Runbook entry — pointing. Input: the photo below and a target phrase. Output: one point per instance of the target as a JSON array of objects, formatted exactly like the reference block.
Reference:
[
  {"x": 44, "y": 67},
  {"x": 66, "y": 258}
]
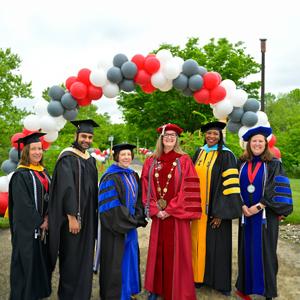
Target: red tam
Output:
[{"x": 169, "y": 126}]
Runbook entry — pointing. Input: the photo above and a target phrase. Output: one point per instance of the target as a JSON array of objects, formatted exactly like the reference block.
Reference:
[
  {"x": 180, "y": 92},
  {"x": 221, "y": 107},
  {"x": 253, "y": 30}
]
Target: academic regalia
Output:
[
  {"x": 30, "y": 275},
  {"x": 121, "y": 212},
  {"x": 169, "y": 270},
  {"x": 258, "y": 234},
  {"x": 220, "y": 194},
  {"x": 75, "y": 251}
]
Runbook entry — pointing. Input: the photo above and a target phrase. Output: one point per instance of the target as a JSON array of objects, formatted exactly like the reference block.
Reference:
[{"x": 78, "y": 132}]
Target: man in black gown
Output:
[{"x": 73, "y": 215}]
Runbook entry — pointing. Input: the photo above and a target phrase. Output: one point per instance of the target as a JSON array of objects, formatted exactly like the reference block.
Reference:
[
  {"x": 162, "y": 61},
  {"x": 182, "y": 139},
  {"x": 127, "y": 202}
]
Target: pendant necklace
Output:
[
  {"x": 252, "y": 175},
  {"x": 161, "y": 202}
]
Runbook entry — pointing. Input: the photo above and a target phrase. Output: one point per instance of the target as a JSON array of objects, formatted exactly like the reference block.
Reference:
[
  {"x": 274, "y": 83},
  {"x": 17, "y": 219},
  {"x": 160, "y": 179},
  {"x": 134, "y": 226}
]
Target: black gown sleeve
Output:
[
  {"x": 195, "y": 156},
  {"x": 278, "y": 194},
  {"x": 114, "y": 216},
  {"x": 139, "y": 207}
]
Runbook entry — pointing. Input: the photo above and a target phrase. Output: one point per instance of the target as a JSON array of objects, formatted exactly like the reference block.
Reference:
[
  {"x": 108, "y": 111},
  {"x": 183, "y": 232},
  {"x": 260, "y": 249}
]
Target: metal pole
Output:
[{"x": 263, "y": 51}]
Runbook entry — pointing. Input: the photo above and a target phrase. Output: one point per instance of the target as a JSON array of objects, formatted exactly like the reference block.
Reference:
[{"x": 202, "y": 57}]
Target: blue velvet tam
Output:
[{"x": 265, "y": 131}]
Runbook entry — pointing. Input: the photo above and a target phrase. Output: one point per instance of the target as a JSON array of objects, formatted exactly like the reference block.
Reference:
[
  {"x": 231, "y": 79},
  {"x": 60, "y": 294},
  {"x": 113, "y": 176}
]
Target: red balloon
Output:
[
  {"x": 211, "y": 80},
  {"x": 272, "y": 141},
  {"x": 217, "y": 94},
  {"x": 142, "y": 77},
  {"x": 3, "y": 202},
  {"x": 202, "y": 96},
  {"x": 139, "y": 60},
  {"x": 151, "y": 64},
  {"x": 275, "y": 151},
  {"x": 84, "y": 102},
  {"x": 45, "y": 145},
  {"x": 97, "y": 151},
  {"x": 70, "y": 81},
  {"x": 84, "y": 76},
  {"x": 14, "y": 140},
  {"x": 78, "y": 90},
  {"x": 94, "y": 93},
  {"x": 148, "y": 88}
]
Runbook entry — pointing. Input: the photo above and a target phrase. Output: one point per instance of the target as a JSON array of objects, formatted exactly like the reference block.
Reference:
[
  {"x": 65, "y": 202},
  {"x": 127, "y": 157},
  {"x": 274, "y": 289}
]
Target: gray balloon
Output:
[
  {"x": 56, "y": 92},
  {"x": 68, "y": 101},
  {"x": 195, "y": 82},
  {"x": 236, "y": 114},
  {"x": 13, "y": 155},
  {"x": 55, "y": 108},
  {"x": 181, "y": 82},
  {"x": 8, "y": 166},
  {"x": 71, "y": 114},
  {"x": 119, "y": 60},
  {"x": 190, "y": 67},
  {"x": 251, "y": 105},
  {"x": 187, "y": 92},
  {"x": 249, "y": 118},
  {"x": 234, "y": 126},
  {"x": 129, "y": 69},
  {"x": 201, "y": 70},
  {"x": 90, "y": 150},
  {"x": 114, "y": 75},
  {"x": 127, "y": 85}
]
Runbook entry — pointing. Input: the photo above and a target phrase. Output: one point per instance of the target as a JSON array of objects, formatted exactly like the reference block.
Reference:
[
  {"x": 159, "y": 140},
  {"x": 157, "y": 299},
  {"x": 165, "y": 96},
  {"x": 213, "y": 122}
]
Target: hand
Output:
[
  {"x": 74, "y": 226},
  {"x": 44, "y": 225},
  {"x": 215, "y": 222},
  {"x": 162, "y": 214},
  {"x": 165, "y": 215},
  {"x": 254, "y": 210},
  {"x": 246, "y": 211}
]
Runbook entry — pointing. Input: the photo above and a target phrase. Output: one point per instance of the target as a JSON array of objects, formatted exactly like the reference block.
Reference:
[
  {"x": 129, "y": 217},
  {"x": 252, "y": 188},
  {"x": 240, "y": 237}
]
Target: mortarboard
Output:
[
  {"x": 29, "y": 139},
  {"x": 86, "y": 126},
  {"x": 213, "y": 125},
  {"x": 265, "y": 131},
  {"x": 123, "y": 146},
  {"x": 169, "y": 126}
]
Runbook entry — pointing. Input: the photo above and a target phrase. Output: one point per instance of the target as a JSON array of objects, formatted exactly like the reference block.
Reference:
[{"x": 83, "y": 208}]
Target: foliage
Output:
[
  {"x": 295, "y": 216},
  {"x": 148, "y": 111},
  {"x": 4, "y": 223},
  {"x": 11, "y": 85}
]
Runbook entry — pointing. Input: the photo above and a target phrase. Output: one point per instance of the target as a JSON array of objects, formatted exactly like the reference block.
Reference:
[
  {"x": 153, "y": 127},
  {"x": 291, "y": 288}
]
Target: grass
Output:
[
  {"x": 294, "y": 218},
  {"x": 4, "y": 223}
]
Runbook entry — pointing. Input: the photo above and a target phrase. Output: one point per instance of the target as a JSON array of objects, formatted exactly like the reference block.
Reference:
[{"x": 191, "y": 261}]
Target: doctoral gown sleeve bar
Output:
[{"x": 278, "y": 194}]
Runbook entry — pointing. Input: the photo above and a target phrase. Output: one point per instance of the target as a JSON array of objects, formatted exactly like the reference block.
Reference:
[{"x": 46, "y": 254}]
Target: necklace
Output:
[
  {"x": 252, "y": 175},
  {"x": 161, "y": 202}
]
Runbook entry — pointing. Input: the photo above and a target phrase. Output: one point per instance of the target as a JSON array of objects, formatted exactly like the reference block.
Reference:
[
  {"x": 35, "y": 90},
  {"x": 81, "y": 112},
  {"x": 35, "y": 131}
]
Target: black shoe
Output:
[
  {"x": 198, "y": 285},
  {"x": 269, "y": 298},
  {"x": 152, "y": 296},
  {"x": 225, "y": 293}
]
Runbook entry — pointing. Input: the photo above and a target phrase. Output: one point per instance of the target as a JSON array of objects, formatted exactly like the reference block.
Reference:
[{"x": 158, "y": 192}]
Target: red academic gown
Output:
[{"x": 169, "y": 270}]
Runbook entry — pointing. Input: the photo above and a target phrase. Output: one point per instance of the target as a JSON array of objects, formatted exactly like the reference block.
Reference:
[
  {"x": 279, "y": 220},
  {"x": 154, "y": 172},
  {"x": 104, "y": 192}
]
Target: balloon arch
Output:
[{"x": 161, "y": 71}]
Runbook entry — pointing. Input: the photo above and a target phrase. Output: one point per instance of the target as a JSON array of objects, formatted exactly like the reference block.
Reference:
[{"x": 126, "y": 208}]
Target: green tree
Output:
[
  {"x": 148, "y": 111},
  {"x": 11, "y": 85}
]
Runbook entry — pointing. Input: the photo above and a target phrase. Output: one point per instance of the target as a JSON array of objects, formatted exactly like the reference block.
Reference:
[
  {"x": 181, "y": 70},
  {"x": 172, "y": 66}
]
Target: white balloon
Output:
[
  {"x": 50, "y": 137},
  {"x": 32, "y": 122},
  {"x": 40, "y": 108},
  {"x": 179, "y": 61},
  {"x": 229, "y": 86},
  {"x": 60, "y": 122},
  {"x": 238, "y": 98},
  {"x": 4, "y": 184},
  {"x": 9, "y": 176},
  {"x": 168, "y": 86},
  {"x": 171, "y": 69},
  {"x": 98, "y": 77},
  {"x": 262, "y": 118},
  {"x": 48, "y": 124},
  {"x": 110, "y": 90},
  {"x": 222, "y": 109},
  {"x": 158, "y": 79},
  {"x": 163, "y": 55},
  {"x": 242, "y": 131}
]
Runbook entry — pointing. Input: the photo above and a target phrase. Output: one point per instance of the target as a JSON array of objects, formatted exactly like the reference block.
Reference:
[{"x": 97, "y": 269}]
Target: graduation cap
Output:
[
  {"x": 123, "y": 146},
  {"x": 265, "y": 131},
  {"x": 213, "y": 125},
  {"x": 29, "y": 139},
  {"x": 86, "y": 126},
  {"x": 169, "y": 126}
]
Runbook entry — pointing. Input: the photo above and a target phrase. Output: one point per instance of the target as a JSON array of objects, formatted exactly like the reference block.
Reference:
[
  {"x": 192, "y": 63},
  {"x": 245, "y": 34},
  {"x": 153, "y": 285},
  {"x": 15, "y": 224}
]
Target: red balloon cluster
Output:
[
  {"x": 82, "y": 90},
  {"x": 144, "y": 151},
  {"x": 272, "y": 147},
  {"x": 147, "y": 66},
  {"x": 211, "y": 91},
  {"x": 3, "y": 202}
]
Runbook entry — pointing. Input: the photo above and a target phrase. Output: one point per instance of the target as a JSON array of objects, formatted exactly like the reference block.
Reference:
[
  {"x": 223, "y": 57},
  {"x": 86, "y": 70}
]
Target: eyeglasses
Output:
[{"x": 170, "y": 135}]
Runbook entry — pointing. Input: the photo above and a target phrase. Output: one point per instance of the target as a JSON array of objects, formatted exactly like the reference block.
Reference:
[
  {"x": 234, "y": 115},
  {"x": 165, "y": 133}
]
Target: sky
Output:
[{"x": 55, "y": 39}]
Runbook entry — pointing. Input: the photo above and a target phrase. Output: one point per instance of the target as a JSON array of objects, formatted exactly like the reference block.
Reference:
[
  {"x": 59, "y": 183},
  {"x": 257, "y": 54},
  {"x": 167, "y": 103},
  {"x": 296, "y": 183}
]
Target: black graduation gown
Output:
[
  {"x": 75, "y": 251},
  {"x": 278, "y": 200},
  {"x": 224, "y": 203},
  {"x": 115, "y": 223},
  {"x": 30, "y": 271}
]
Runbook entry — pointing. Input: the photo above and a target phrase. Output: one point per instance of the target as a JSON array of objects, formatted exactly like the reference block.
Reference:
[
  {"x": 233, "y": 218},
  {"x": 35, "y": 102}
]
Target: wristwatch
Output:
[{"x": 258, "y": 207}]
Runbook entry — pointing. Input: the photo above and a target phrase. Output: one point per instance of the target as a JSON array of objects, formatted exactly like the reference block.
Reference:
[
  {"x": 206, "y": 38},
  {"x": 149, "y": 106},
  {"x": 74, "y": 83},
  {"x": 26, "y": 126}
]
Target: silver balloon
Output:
[
  {"x": 13, "y": 155},
  {"x": 56, "y": 92},
  {"x": 190, "y": 67},
  {"x": 233, "y": 126},
  {"x": 201, "y": 70},
  {"x": 114, "y": 75},
  {"x": 55, "y": 108},
  {"x": 70, "y": 115},
  {"x": 8, "y": 166},
  {"x": 251, "y": 105},
  {"x": 187, "y": 92},
  {"x": 249, "y": 118},
  {"x": 68, "y": 101},
  {"x": 236, "y": 114},
  {"x": 129, "y": 70},
  {"x": 181, "y": 82},
  {"x": 195, "y": 82},
  {"x": 127, "y": 85},
  {"x": 119, "y": 60}
]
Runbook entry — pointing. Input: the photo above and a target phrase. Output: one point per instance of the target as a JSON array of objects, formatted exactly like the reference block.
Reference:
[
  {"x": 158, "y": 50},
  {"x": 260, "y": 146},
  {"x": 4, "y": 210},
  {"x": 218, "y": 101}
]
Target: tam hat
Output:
[
  {"x": 265, "y": 131},
  {"x": 169, "y": 126},
  {"x": 86, "y": 126},
  {"x": 29, "y": 139},
  {"x": 213, "y": 125},
  {"x": 123, "y": 146}
]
